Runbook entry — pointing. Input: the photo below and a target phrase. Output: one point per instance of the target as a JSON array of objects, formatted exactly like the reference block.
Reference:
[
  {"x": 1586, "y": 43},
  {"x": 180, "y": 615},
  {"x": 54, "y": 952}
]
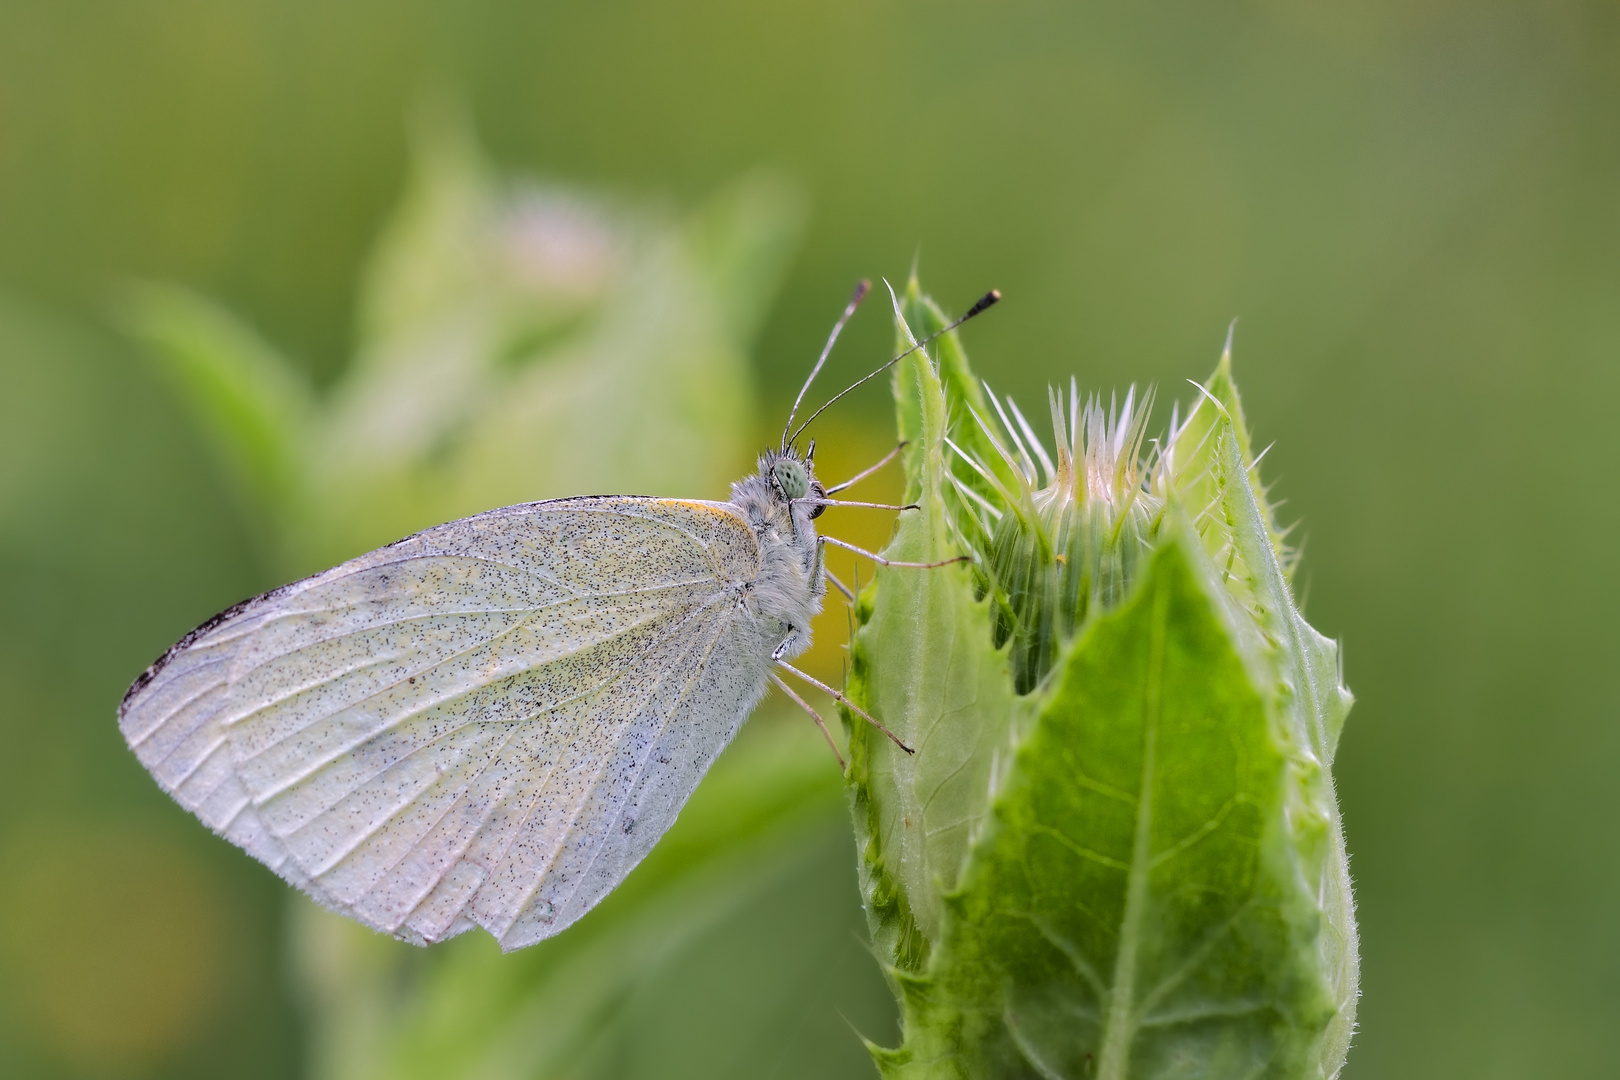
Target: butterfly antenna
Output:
[
  {"x": 984, "y": 303},
  {"x": 861, "y": 289}
]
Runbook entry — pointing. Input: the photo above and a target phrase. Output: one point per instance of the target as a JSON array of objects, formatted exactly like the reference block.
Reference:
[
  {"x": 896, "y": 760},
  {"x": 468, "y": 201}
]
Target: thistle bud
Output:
[{"x": 1117, "y": 845}]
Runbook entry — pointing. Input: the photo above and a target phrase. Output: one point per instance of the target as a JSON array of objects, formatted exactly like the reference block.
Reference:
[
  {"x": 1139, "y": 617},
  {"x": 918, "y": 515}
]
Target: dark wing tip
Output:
[{"x": 145, "y": 678}]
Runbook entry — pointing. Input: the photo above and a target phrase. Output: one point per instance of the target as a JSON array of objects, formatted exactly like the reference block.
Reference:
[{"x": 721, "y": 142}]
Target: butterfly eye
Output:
[{"x": 791, "y": 479}]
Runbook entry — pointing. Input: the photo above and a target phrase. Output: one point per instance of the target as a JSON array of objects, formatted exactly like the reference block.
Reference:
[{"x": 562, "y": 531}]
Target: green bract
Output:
[{"x": 1116, "y": 852}]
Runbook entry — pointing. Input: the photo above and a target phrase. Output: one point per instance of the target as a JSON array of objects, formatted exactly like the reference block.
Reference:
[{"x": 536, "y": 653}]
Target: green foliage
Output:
[
  {"x": 519, "y": 342},
  {"x": 1116, "y": 852},
  {"x": 516, "y": 342}
]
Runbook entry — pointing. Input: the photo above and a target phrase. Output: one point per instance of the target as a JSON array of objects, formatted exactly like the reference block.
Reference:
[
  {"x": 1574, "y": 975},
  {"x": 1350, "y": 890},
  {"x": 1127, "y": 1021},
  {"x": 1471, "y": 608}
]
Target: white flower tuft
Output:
[{"x": 1057, "y": 535}]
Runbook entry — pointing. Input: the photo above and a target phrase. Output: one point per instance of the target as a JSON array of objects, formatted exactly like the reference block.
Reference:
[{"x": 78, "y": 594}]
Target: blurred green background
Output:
[{"x": 1412, "y": 207}]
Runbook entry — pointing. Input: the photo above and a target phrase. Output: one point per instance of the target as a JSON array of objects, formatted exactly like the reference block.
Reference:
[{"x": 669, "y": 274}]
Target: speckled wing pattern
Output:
[{"x": 489, "y": 723}]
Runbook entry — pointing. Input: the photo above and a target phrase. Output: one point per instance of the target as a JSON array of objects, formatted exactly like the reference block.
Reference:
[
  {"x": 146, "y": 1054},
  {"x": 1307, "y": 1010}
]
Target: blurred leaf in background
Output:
[
  {"x": 130, "y": 944},
  {"x": 519, "y": 341}
]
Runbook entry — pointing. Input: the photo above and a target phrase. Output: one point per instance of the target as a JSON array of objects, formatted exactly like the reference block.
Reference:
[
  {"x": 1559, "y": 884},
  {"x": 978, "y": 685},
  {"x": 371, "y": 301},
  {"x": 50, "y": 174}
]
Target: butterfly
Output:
[{"x": 491, "y": 722}]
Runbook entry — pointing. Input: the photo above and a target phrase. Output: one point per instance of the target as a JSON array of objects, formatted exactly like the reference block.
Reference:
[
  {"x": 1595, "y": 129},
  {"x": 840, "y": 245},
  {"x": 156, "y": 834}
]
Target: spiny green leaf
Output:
[
  {"x": 1315, "y": 702},
  {"x": 963, "y": 393},
  {"x": 1195, "y": 475},
  {"x": 923, "y": 664},
  {"x": 1136, "y": 906}
]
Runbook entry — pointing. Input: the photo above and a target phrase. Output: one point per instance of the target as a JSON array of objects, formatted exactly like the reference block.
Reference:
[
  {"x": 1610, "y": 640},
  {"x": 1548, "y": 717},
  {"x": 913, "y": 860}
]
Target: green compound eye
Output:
[{"x": 791, "y": 478}]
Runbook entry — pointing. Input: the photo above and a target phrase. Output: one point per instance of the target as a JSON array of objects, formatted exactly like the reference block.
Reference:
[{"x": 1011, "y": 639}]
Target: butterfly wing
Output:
[{"x": 488, "y": 723}]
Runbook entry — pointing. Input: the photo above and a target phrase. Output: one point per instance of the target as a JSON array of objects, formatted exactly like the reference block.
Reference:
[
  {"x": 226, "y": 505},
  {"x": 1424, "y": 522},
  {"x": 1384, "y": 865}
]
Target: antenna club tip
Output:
[
  {"x": 985, "y": 301},
  {"x": 862, "y": 287}
]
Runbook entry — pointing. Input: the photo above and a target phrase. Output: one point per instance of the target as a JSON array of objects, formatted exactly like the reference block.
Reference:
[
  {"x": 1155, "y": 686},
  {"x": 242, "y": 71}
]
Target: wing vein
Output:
[
  {"x": 373, "y": 827},
  {"x": 652, "y": 744},
  {"x": 573, "y": 820},
  {"x": 405, "y": 621},
  {"x": 447, "y": 699}
]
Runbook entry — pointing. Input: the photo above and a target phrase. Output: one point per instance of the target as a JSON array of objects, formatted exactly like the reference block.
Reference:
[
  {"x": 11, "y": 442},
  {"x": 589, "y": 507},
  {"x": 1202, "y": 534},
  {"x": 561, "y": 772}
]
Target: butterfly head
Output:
[{"x": 793, "y": 478}]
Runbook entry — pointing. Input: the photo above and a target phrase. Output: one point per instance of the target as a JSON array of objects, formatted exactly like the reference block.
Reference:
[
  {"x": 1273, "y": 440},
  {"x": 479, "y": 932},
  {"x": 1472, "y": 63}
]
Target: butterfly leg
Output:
[
  {"x": 881, "y": 561},
  {"x": 849, "y": 594},
  {"x": 787, "y": 643},
  {"x": 841, "y": 699},
  {"x": 820, "y": 723},
  {"x": 862, "y": 475}
]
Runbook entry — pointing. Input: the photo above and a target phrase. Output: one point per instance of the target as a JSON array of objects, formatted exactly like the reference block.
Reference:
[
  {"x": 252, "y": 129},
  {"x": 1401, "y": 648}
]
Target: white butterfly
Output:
[{"x": 491, "y": 722}]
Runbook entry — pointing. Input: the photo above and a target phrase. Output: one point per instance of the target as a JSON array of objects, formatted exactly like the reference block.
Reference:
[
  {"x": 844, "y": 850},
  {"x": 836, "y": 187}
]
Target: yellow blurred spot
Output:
[
  {"x": 112, "y": 942},
  {"x": 844, "y": 447}
]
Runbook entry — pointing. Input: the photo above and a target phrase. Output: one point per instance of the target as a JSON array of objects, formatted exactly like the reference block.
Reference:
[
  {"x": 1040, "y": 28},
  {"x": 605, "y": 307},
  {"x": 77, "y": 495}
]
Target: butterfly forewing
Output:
[{"x": 488, "y": 723}]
